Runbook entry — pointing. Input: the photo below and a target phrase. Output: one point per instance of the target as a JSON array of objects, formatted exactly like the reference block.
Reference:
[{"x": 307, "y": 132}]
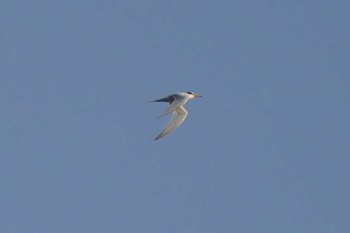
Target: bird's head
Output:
[{"x": 192, "y": 95}]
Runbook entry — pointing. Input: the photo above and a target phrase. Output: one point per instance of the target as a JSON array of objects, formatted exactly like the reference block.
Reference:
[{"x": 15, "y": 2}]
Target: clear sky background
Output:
[{"x": 265, "y": 150}]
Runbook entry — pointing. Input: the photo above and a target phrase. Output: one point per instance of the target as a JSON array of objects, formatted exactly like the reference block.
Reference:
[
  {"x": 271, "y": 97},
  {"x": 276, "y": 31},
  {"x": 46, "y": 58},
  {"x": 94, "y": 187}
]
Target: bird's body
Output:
[{"x": 176, "y": 102}]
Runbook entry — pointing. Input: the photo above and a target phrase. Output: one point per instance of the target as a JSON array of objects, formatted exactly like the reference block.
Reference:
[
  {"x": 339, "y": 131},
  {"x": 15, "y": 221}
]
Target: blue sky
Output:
[{"x": 265, "y": 150}]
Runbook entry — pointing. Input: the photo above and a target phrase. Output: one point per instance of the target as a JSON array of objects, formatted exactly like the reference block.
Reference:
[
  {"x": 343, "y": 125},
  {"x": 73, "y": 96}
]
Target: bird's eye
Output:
[{"x": 190, "y": 93}]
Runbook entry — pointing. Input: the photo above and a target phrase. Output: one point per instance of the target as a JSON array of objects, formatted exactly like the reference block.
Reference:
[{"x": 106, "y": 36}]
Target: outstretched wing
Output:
[
  {"x": 178, "y": 117},
  {"x": 177, "y": 102},
  {"x": 168, "y": 99}
]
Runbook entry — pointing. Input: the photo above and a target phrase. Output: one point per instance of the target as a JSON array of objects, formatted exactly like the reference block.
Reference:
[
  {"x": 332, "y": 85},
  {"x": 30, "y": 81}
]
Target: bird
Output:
[{"x": 176, "y": 102}]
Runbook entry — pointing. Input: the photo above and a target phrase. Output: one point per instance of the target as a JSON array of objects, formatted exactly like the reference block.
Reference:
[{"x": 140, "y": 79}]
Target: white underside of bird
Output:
[{"x": 176, "y": 102}]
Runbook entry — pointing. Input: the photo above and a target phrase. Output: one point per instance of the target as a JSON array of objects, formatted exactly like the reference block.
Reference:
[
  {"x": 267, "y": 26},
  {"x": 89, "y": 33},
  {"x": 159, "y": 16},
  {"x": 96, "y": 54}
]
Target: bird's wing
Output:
[
  {"x": 168, "y": 99},
  {"x": 175, "y": 104},
  {"x": 178, "y": 117}
]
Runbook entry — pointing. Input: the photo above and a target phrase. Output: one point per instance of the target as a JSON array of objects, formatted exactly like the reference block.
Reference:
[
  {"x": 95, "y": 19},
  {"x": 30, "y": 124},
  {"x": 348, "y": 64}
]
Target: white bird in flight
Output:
[{"x": 176, "y": 102}]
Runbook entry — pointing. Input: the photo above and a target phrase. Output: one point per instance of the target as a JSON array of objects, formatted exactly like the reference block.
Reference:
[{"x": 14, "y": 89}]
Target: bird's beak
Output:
[{"x": 196, "y": 95}]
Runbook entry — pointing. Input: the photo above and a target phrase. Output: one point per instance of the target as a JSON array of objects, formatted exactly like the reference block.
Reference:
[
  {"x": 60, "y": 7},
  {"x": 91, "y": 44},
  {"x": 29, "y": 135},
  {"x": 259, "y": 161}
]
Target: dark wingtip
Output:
[{"x": 159, "y": 137}]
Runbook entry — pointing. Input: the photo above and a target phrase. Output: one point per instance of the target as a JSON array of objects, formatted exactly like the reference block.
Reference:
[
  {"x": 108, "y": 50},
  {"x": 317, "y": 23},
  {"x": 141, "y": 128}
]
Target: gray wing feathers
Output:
[
  {"x": 178, "y": 117},
  {"x": 168, "y": 99},
  {"x": 177, "y": 102}
]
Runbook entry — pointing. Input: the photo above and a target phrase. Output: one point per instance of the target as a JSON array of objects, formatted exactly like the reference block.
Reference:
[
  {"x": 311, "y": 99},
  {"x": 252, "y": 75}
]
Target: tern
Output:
[{"x": 176, "y": 102}]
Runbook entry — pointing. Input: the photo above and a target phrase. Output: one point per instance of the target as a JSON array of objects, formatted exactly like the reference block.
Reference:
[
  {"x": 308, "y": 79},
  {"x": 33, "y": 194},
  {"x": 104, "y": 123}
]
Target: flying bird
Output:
[{"x": 176, "y": 102}]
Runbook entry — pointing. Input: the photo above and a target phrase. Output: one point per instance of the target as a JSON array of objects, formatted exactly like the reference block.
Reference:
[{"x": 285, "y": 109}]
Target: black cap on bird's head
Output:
[{"x": 194, "y": 94}]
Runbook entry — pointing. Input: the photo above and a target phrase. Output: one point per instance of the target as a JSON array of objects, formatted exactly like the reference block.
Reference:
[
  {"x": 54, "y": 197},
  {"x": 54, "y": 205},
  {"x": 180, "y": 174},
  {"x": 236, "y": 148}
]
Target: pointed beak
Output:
[{"x": 196, "y": 95}]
